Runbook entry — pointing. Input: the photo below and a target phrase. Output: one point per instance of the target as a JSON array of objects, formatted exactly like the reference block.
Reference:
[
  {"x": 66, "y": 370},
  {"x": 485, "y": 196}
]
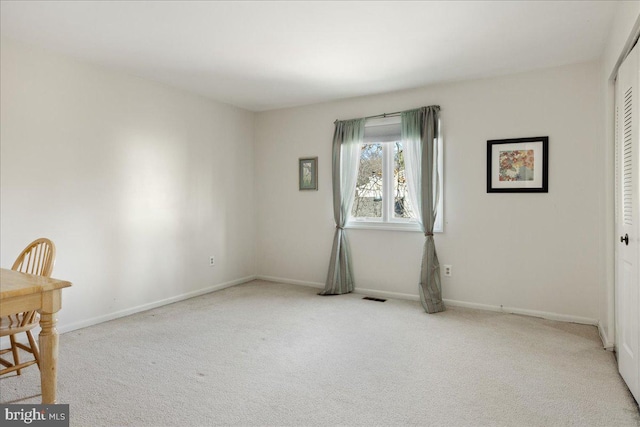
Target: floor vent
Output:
[{"x": 374, "y": 299}]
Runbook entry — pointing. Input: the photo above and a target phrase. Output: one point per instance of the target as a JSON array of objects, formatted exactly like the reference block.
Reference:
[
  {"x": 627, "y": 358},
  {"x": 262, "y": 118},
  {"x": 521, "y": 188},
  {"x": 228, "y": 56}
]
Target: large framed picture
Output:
[
  {"x": 518, "y": 165},
  {"x": 308, "y": 173}
]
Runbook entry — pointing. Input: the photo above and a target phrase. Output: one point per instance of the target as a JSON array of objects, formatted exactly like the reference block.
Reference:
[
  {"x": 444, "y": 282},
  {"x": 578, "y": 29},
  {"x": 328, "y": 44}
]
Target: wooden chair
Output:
[{"x": 38, "y": 259}]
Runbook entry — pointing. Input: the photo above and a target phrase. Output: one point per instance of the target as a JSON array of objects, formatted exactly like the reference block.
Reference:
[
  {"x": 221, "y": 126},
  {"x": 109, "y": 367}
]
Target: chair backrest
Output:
[{"x": 37, "y": 258}]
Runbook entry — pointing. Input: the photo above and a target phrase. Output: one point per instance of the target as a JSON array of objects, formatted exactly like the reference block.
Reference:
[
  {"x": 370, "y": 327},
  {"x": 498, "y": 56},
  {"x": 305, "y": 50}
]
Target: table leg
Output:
[{"x": 49, "y": 346}]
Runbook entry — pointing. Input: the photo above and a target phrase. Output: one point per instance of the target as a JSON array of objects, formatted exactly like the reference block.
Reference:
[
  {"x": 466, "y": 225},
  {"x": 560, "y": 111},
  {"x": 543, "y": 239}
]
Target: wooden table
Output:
[{"x": 23, "y": 292}]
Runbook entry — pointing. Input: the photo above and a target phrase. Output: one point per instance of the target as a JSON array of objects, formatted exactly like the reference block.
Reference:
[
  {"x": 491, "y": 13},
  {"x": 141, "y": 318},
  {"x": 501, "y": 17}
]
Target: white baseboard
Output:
[
  {"x": 372, "y": 292},
  {"x": 290, "y": 281},
  {"x": 608, "y": 344},
  {"x": 62, "y": 328},
  {"x": 454, "y": 303},
  {"x": 525, "y": 312},
  {"x": 386, "y": 294},
  {"x": 144, "y": 307}
]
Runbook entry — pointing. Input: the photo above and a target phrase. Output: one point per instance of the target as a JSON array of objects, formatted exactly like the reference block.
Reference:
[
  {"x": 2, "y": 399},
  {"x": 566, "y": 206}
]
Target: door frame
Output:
[{"x": 607, "y": 323}]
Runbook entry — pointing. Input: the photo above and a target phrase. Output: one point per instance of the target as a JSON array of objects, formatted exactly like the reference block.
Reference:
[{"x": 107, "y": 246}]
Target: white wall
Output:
[
  {"x": 624, "y": 21},
  {"x": 143, "y": 182},
  {"x": 135, "y": 182},
  {"x": 623, "y": 29},
  {"x": 537, "y": 252}
]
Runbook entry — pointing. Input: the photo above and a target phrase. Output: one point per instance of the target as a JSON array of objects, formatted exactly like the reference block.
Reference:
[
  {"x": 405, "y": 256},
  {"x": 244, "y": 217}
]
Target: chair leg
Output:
[
  {"x": 34, "y": 348},
  {"x": 14, "y": 350}
]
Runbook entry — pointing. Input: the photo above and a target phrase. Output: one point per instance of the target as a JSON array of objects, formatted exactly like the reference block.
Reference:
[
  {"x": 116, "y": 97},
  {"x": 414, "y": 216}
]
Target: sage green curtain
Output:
[
  {"x": 419, "y": 131},
  {"x": 347, "y": 139}
]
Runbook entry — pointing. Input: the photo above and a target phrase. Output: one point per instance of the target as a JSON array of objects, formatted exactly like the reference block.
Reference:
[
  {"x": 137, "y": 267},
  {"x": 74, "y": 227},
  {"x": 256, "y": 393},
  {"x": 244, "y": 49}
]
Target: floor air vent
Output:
[{"x": 374, "y": 299}]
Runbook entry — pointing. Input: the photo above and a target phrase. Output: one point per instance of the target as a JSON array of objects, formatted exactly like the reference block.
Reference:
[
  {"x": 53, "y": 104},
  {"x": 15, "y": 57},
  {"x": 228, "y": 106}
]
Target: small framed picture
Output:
[
  {"x": 308, "y": 173},
  {"x": 518, "y": 165}
]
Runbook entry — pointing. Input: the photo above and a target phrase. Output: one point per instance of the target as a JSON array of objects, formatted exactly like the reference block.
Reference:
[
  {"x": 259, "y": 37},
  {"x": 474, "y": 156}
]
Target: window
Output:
[
  {"x": 375, "y": 196},
  {"x": 381, "y": 200}
]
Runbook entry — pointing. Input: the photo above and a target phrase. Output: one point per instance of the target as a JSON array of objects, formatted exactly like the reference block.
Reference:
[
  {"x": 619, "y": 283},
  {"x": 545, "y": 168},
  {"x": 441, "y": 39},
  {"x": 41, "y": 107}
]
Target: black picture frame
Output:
[{"x": 519, "y": 165}]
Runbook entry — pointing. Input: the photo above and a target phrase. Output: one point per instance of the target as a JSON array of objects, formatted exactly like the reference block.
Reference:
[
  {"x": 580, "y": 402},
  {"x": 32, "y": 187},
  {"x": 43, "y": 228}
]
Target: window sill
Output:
[{"x": 386, "y": 226}]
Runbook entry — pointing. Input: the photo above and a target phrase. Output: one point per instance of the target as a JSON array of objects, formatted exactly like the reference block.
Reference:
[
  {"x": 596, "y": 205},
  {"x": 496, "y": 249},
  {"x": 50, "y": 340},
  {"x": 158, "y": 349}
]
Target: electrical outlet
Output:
[
  {"x": 212, "y": 261},
  {"x": 447, "y": 270}
]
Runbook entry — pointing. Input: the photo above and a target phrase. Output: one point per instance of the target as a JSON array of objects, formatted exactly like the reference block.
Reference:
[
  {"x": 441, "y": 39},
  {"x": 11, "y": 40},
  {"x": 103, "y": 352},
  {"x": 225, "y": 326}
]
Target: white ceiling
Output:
[{"x": 266, "y": 55}]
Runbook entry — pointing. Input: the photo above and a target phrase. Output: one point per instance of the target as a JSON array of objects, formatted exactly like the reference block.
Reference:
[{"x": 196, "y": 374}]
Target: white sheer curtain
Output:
[
  {"x": 413, "y": 174},
  {"x": 349, "y": 166}
]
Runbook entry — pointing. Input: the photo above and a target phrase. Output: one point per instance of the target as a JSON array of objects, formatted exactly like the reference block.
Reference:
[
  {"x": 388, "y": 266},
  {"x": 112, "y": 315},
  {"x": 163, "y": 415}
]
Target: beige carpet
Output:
[{"x": 272, "y": 354}]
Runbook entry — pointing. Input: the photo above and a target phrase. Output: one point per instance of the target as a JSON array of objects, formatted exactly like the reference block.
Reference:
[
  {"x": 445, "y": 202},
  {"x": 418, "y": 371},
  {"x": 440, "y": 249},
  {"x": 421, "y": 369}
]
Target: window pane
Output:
[
  {"x": 368, "y": 198},
  {"x": 401, "y": 205}
]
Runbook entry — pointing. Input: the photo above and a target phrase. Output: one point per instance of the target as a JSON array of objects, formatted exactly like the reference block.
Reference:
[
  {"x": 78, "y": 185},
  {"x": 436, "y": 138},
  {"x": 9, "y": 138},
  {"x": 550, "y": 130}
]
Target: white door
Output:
[{"x": 627, "y": 263}]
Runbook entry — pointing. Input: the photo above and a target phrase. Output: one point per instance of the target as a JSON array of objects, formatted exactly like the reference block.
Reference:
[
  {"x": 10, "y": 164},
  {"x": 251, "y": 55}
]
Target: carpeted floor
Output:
[{"x": 272, "y": 354}]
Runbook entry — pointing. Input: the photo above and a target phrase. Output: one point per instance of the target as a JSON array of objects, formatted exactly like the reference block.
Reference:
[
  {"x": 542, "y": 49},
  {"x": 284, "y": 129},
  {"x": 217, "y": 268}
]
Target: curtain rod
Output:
[{"x": 384, "y": 115}]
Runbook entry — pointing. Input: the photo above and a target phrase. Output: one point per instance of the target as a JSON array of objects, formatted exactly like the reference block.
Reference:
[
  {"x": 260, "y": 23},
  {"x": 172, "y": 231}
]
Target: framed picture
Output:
[
  {"x": 308, "y": 173},
  {"x": 518, "y": 165}
]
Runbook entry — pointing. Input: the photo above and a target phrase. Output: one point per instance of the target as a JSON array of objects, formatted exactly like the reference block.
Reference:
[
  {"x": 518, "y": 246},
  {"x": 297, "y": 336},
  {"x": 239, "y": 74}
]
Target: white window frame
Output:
[{"x": 388, "y": 220}]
